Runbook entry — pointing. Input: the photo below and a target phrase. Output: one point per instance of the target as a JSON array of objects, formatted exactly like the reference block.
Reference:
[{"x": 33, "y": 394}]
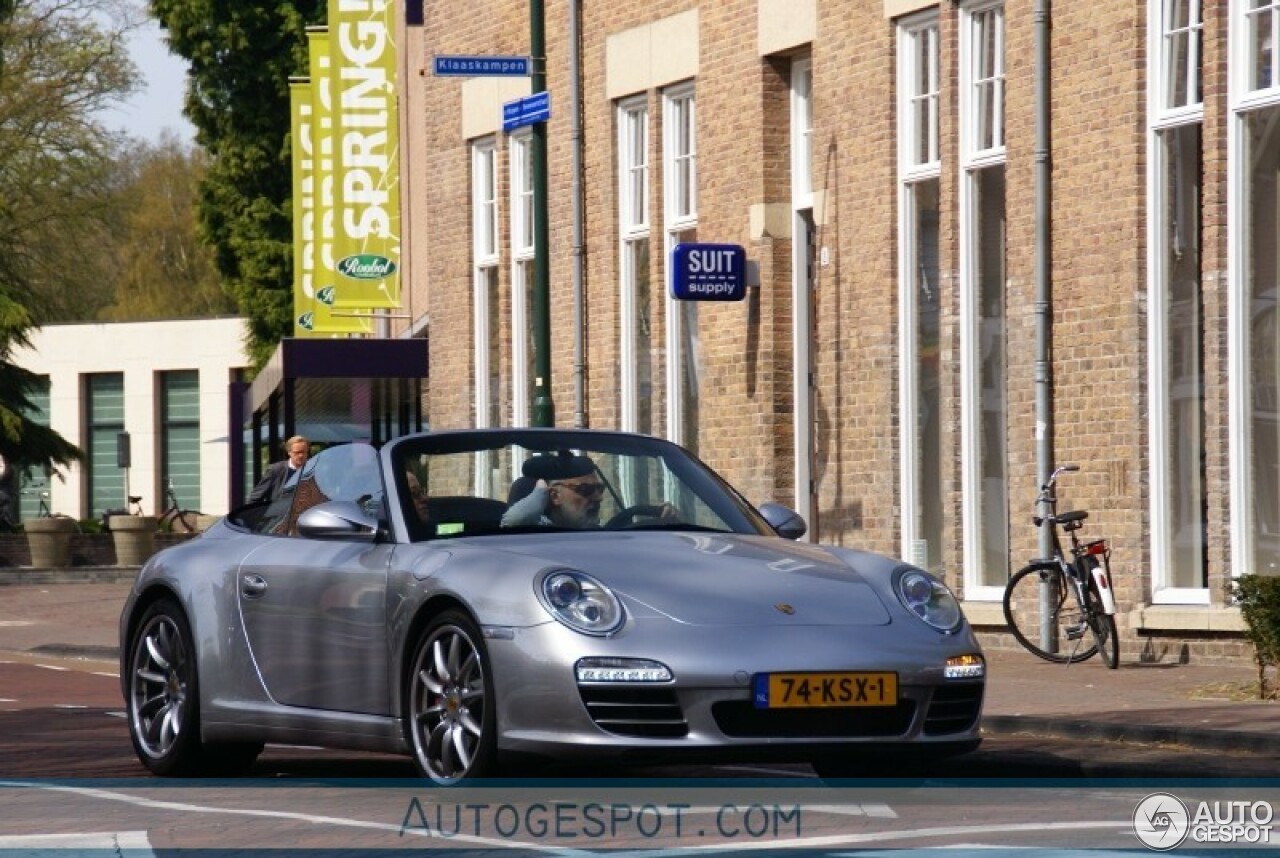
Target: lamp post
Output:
[{"x": 544, "y": 412}]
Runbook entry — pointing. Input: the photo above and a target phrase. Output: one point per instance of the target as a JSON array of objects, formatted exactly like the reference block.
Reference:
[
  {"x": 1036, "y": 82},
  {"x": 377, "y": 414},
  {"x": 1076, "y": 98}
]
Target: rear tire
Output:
[
  {"x": 1103, "y": 628},
  {"x": 164, "y": 692},
  {"x": 164, "y": 702},
  {"x": 1022, "y": 613}
]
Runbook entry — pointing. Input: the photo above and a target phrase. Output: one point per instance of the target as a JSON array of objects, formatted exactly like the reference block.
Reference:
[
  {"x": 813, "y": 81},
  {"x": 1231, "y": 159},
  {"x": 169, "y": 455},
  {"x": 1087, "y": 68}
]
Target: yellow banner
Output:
[
  {"x": 319, "y": 316},
  {"x": 304, "y": 204},
  {"x": 367, "y": 159}
]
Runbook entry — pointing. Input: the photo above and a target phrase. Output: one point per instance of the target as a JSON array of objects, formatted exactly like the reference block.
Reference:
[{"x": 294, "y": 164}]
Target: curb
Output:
[
  {"x": 68, "y": 575},
  {"x": 1151, "y": 734},
  {"x": 94, "y": 652}
]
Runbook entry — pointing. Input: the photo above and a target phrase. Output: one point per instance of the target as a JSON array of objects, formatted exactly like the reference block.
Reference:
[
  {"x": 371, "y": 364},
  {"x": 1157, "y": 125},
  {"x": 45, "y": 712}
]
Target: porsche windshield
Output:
[{"x": 531, "y": 480}]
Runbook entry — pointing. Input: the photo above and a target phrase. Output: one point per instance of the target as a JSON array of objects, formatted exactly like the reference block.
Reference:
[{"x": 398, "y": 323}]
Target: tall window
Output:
[
  {"x": 523, "y": 368},
  {"x": 104, "y": 395},
  {"x": 1254, "y": 167},
  {"x": 180, "y": 436},
  {"x": 32, "y": 483},
  {"x": 633, "y": 227},
  {"x": 919, "y": 318},
  {"x": 484, "y": 242},
  {"x": 1179, "y": 497},
  {"x": 984, "y": 324},
  {"x": 804, "y": 241},
  {"x": 680, "y": 203}
]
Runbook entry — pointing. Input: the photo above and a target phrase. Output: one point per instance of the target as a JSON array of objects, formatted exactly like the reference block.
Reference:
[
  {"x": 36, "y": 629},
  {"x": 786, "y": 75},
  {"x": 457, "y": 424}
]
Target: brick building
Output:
[{"x": 879, "y": 160}]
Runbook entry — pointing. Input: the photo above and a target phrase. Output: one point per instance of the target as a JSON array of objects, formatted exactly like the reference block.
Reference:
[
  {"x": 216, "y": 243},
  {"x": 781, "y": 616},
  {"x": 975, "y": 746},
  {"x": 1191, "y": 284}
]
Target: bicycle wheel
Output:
[
  {"x": 1022, "y": 611},
  {"x": 179, "y": 521}
]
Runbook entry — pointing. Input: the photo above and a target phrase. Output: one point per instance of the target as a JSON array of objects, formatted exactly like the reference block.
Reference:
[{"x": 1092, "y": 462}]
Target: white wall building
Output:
[{"x": 165, "y": 383}]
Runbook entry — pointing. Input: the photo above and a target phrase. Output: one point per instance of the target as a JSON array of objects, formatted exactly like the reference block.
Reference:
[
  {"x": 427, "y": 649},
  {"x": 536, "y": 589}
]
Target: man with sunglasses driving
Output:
[{"x": 566, "y": 493}]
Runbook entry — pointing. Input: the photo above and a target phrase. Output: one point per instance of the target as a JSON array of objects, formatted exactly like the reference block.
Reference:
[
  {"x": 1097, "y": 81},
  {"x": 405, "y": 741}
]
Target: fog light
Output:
[
  {"x": 622, "y": 670},
  {"x": 965, "y": 667}
]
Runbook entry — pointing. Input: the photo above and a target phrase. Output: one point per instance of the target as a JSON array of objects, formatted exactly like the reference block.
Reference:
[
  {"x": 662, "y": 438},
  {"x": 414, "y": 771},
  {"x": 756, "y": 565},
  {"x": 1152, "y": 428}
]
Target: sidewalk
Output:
[{"x": 1198, "y": 706}]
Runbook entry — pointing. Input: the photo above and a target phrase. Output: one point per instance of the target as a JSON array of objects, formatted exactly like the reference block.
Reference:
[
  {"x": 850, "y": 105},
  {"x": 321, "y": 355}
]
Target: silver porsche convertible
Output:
[{"x": 478, "y": 599}]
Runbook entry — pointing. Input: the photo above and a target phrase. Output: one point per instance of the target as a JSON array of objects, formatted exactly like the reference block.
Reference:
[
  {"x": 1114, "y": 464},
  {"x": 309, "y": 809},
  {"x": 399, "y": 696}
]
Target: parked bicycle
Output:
[
  {"x": 134, "y": 508},
  {"x": 43, "y": 510},
  {"x": 176, "y": 519},
  {"x": 1052, "y": 604}
]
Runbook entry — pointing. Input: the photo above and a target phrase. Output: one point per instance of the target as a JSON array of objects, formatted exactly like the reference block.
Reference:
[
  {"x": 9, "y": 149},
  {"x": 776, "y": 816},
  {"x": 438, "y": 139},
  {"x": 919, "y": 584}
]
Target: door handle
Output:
[{"x": 253, "y": 586}]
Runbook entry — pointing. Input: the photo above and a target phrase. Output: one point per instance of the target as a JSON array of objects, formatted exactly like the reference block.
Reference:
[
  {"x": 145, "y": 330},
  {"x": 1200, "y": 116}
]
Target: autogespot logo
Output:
[{"x": 1161, "y": 821}]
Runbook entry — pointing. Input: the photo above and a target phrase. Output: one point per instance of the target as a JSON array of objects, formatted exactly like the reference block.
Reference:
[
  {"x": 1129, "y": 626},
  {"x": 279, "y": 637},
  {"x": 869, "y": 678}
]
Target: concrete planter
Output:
[
  {"x": 134, "y": 537},
  {"x": 50, "y": 541}
]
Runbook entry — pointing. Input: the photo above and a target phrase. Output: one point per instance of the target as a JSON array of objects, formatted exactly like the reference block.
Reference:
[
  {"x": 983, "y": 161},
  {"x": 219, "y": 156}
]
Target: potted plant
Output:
[
  {"x": 134, "y": 537},
  {"x": 49, "y": 538}
]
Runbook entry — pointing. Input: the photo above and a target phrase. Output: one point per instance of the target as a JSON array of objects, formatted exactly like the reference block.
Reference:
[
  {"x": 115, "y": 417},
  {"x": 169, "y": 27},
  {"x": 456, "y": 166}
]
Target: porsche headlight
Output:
[
  {"x": 580, "y": 602},
  {"x": 929, "y": 599}
]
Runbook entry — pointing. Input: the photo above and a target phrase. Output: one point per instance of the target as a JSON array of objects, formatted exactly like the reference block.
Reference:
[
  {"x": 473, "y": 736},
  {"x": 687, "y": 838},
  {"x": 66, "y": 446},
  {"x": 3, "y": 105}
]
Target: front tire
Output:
[
  {"x": 1022, "y": 613},
  {"x": 451, "y": 716}
]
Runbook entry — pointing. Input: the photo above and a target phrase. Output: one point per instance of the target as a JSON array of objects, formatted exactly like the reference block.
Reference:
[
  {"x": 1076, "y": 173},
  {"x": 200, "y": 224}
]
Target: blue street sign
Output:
[
  {"x": 526, "y": 111},
  {"x": 709, "y": 272},
  {"x": 468, "y": 66}
]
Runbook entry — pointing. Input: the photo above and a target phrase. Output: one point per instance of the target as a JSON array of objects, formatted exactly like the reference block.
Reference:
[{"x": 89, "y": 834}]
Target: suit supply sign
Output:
[{"x": 709, "y": 272}]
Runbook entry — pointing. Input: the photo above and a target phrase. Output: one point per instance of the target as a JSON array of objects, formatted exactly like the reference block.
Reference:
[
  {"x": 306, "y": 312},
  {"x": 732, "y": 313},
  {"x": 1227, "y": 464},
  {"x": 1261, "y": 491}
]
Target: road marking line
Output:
[
  {"x": 69, "y": 706},
  {"x": 131, "y": 842},
  {"x": 53, "y": 667},
  {"x": 104, "y": 673}
]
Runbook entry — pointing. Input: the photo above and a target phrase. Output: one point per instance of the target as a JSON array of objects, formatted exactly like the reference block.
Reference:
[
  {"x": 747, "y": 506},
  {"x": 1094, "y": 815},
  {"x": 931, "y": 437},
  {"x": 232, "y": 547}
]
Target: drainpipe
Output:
[
  {"x": 579, "y": 242},
  {"x": 1044, "y": 290}
]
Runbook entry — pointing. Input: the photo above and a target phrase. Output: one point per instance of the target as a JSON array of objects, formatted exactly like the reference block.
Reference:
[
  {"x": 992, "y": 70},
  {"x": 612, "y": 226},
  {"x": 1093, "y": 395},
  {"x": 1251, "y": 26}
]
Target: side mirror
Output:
[
  {"x": 786, "y": 522},
  {"x": 338, "y": 520}
]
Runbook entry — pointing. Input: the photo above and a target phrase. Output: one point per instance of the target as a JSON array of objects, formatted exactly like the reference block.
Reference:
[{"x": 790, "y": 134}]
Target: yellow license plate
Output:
[{"x": 800, "y": 690}]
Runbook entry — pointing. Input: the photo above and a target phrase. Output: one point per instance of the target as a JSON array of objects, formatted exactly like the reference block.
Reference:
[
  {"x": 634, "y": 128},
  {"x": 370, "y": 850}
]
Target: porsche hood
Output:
[{"x": 718, "y": 579}]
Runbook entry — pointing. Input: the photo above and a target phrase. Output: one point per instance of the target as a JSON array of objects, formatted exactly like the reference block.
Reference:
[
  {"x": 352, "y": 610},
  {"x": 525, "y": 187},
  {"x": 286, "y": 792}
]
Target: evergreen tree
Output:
[{"x": 23, "y": 442}]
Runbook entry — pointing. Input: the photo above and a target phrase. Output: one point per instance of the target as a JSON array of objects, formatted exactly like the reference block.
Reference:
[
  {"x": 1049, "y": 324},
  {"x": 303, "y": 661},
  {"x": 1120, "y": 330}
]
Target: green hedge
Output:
[{"x": 1259, "y": 599}]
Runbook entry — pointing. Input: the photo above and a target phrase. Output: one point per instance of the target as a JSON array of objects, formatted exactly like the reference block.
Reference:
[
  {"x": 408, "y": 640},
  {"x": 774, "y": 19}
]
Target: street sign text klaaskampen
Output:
[{"x": 460, "y": 65}]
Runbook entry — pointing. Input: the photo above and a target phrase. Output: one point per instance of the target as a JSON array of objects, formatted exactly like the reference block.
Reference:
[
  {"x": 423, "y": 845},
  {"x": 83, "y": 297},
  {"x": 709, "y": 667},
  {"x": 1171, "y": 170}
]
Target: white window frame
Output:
[
  {"x": 802, "y": 203},
  {"x": 485, "y": 256},
  {"x": 633, "y": 226},
  {"x": 1162, "y": 118},
  {"x": 912, "y": 170},
  {"x": 1241, "y": 99},
  {"x": 679, "y": 124},
  {"x": 974, "y": 157},
  {"x": 519, "y": 147}
]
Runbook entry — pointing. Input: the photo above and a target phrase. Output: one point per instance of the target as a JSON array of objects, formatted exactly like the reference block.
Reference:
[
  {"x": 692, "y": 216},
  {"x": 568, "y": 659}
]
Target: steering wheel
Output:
[{"x": 627, "y": 517}]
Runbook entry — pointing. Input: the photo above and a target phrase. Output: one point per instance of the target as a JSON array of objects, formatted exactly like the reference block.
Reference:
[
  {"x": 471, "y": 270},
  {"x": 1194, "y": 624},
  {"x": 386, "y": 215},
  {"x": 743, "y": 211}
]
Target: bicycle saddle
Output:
[{"x": 1072, "y": 520}]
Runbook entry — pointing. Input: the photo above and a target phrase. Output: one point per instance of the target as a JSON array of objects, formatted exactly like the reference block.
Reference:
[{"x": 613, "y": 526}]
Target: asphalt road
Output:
[{"x": 69, "y": 778}]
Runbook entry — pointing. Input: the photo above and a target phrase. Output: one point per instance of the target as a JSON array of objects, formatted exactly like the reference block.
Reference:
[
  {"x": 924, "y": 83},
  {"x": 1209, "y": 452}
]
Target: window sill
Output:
[
  {"x": 983, "y": 613},
  {"x": 1170, "y": 618},
  {"x": 1186, "y": 618}
]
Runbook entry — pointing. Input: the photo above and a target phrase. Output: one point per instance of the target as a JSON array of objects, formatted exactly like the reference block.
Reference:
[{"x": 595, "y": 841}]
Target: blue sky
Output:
[{"x": 158, "y": 103}]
